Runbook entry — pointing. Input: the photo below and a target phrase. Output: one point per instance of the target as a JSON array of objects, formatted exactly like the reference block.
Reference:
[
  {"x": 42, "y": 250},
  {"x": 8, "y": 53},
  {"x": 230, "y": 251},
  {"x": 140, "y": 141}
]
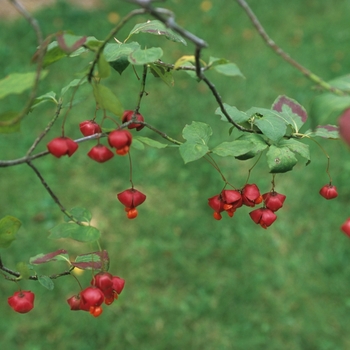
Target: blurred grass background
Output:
[{"x": 191, "y": 282}]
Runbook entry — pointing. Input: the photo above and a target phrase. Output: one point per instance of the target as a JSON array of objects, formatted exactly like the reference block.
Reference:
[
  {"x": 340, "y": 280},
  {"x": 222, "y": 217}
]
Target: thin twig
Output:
[{"x": 278, "y": 50}]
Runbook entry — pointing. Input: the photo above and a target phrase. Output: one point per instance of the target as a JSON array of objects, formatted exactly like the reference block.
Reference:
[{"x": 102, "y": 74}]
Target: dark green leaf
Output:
[
  {"x": 120, "y": 64},
  {"x": 280, "y": 159},
  {"x": 9, "y": 227}
]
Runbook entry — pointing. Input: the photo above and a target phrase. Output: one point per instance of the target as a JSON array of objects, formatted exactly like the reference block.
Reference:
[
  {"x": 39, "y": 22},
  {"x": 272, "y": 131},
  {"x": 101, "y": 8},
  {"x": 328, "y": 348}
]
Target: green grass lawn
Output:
[{"x": 191, "y": 282}]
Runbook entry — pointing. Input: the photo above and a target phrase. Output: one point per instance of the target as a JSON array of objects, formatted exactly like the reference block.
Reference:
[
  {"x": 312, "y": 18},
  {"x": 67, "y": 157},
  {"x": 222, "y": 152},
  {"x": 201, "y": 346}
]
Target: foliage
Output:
[{"x": 276, "y": 133}]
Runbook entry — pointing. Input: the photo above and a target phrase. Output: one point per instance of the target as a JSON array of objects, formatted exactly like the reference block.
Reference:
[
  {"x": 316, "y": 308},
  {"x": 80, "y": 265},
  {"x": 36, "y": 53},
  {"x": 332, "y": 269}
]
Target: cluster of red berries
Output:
[
  {"x": 119, "y": 139},
  {"x": 249, "y": 195},
  {"x": 105, "y": 288}
]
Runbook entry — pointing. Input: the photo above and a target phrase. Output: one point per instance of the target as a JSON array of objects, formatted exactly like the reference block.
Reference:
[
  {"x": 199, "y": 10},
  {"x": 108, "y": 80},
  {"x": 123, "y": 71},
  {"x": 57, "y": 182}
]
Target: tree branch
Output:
[{"x": 310, "y": 75}]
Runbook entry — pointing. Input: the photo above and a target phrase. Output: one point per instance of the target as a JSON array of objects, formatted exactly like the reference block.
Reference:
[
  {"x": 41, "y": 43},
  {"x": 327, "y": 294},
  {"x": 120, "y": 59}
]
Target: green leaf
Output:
[
  {"x": 46, "y": 282},
  {"x": 325, "y": 131},
  {"x": 80, "y": 214},
  {"x": 73, "y": 83},
  {"x": 106, "y": 99},
  {"x": 150, "y": 142},
  {"x": 280, "y": 159},
  {"x": 162, "y": 73},
  {"x": 137, "y": 144},
  {"x": 233, "y": 148},
  {"x": 197, "y": 132},
  {"x": 9, "y": 227},
  {"x": 142, "y": 57},
  {"x": 156, "y": 27},
  {"x": 76, "y": 232},
  {"x": 104, "y": 69},
  {"x": 229, "y": 69},
  {"x": 197, "y": 135},
  {"x": 7, "y": 117},
  {"x": 236, "y": 115},
  {"x": 16, "y": 83},
  {"x": 270, "y": 122},
  {"x": 191, "y": 151},
  {"x": 258, "y": 142},
  {"x": 60, "y": 254},
  {"x": 48, "y": 97},
  {"x": 297, "y": 147}
]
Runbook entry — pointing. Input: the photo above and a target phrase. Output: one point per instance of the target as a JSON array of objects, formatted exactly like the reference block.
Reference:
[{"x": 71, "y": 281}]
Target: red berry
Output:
[
  {"x": 263, "y": 216},
  {"x": 346, "y": 227},
  {"x": 328, "y": 191},
  {"x": 251, "y": 195},
  {"x": 22, "y": 301},
  {"x": 131, "y": 198},
  {"x": 100, "y": 153},
  {"x": 216, "y": 203},
  {"x": 344, "y": 126},
  {"x": 118, "y": 284},
  {"x": 273, "y": 200},
  {"x": 61, "y": 146},
  {"x": 232, "y": 197},
  {"x": 91, "y": 296},
  {"x": 121, "y": 140},
  {"x": 89, "y": 127},
  {"x": 74, "y": 302},
  {"x": 127, "y": 116},
  {"x": 103, "y": 281}
]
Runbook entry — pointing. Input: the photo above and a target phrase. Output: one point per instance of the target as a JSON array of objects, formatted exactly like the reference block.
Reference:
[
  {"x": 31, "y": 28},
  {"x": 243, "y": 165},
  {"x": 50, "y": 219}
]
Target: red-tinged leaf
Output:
[
  {"x": 294, "y": 105},
  {"x": 95, "y": 260},
  {"x": 88, "y": 265},
  {"x": 64, "y": 41},
  {"x": 44, "y": 258},
  {"x": 325, "y": 131}
]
